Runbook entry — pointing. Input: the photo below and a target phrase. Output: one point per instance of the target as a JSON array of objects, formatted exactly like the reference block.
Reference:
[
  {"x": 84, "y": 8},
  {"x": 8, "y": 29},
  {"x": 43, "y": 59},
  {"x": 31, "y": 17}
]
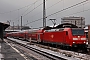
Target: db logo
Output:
[{"x": 52, "y": 36}]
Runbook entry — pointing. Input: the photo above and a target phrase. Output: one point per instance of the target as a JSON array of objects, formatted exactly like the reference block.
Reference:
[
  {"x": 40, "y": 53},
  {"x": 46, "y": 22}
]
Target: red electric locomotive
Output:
[{"x": 73, "y": 37}]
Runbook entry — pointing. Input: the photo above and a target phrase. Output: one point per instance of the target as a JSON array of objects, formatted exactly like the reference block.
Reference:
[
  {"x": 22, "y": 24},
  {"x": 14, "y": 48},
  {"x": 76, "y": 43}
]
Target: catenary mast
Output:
[{"x": 44, "y": 14}]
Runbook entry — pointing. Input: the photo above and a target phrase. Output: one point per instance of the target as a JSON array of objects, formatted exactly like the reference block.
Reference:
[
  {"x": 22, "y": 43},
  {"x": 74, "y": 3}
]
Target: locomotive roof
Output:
[
  {"x": 69, "y": 25},
  {"x": 66, "y": 25}
]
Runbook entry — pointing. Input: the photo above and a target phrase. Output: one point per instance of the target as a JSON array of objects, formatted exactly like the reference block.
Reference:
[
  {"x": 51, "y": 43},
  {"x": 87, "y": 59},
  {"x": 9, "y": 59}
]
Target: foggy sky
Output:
[{"x": 11, "y": 10}]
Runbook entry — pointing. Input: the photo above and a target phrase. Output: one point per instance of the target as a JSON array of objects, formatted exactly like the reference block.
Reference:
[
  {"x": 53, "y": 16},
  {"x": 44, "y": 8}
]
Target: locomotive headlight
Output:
[
  {"x": 73, "y": 42},
  {"x": 84, "y": 42},
  {"x": 75, "y": 38},
  {"x": 83, "y": 38}
]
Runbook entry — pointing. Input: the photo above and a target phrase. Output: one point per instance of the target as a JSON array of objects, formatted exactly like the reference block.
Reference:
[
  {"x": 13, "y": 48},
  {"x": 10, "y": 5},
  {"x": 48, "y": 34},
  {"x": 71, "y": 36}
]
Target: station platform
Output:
[{"x": 8, "y": 53}]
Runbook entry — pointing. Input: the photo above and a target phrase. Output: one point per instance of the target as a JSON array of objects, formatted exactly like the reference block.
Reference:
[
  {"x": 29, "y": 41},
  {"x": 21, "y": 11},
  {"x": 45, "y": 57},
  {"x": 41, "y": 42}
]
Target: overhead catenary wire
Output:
[
  {"x": 19, "y": 8},
  {"x": 67, "y": 8},
  {"x": 55, "y": 4},
  {"x": 80, "y": 11},
  {"x": 30, "y": 7},
  {"x": 33, "y": 9},
  {"x": 59, "y": 11},
  {"x": 33, "y": 21},
  {"x": 17, "y": 18},
  {"x": 84, "y": 10},
  {"x": 23, "y": 15},
  {"x": 48, "y": 7},
  {"x": 77, "y": 12},
  {"x": 50, "y": 14}
]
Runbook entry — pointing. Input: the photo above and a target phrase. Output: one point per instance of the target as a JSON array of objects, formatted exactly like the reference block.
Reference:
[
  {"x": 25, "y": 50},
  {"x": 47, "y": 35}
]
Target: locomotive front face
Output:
[{"x": 78, "y": 37}]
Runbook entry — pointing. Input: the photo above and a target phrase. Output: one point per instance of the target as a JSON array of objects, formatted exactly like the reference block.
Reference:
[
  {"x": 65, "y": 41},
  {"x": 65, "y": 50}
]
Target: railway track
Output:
[
  {"x": 48, "y": 55},
  {"x": 67, "y": 54}
]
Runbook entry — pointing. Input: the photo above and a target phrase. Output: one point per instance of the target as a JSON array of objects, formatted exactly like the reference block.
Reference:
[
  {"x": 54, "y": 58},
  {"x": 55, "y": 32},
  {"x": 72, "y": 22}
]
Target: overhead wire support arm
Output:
[{"x": 53, "y": 21}]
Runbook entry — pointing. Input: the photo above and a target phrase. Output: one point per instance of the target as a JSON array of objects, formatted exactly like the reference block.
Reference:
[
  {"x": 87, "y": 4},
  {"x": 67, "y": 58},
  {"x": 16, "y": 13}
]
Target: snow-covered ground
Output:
[
  {"x": 1, "y": 56},
  {"x": 60, "y": 53}
]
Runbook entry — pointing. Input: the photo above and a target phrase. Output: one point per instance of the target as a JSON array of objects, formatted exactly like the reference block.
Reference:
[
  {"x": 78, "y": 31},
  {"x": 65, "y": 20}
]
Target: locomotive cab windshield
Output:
[{"x": 77, "y": 31}]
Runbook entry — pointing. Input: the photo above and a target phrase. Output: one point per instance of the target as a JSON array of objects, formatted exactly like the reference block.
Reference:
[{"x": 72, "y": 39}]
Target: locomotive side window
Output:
[
  {"x": 66, "y": 33},
  {"x": 77, "y": 32}
]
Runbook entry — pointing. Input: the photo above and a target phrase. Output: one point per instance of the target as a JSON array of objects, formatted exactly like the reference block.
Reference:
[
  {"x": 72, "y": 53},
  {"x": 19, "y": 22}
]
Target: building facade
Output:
[{"x": 78, "y": 21}]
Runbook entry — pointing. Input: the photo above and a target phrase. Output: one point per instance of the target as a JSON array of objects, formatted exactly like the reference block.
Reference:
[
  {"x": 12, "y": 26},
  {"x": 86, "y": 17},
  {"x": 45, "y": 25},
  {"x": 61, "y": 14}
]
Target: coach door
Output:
[{"x": 38, "y": 38}]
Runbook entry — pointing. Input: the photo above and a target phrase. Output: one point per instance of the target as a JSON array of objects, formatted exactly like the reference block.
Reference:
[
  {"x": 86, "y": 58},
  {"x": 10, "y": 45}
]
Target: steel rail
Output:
[{"x": 48, "y": 55}]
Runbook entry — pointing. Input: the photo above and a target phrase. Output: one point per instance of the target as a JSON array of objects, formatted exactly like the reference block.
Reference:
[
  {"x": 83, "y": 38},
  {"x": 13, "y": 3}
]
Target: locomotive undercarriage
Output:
[
  {"x": 82, "y": 47},
  {"x": 74, "y": 47}
]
